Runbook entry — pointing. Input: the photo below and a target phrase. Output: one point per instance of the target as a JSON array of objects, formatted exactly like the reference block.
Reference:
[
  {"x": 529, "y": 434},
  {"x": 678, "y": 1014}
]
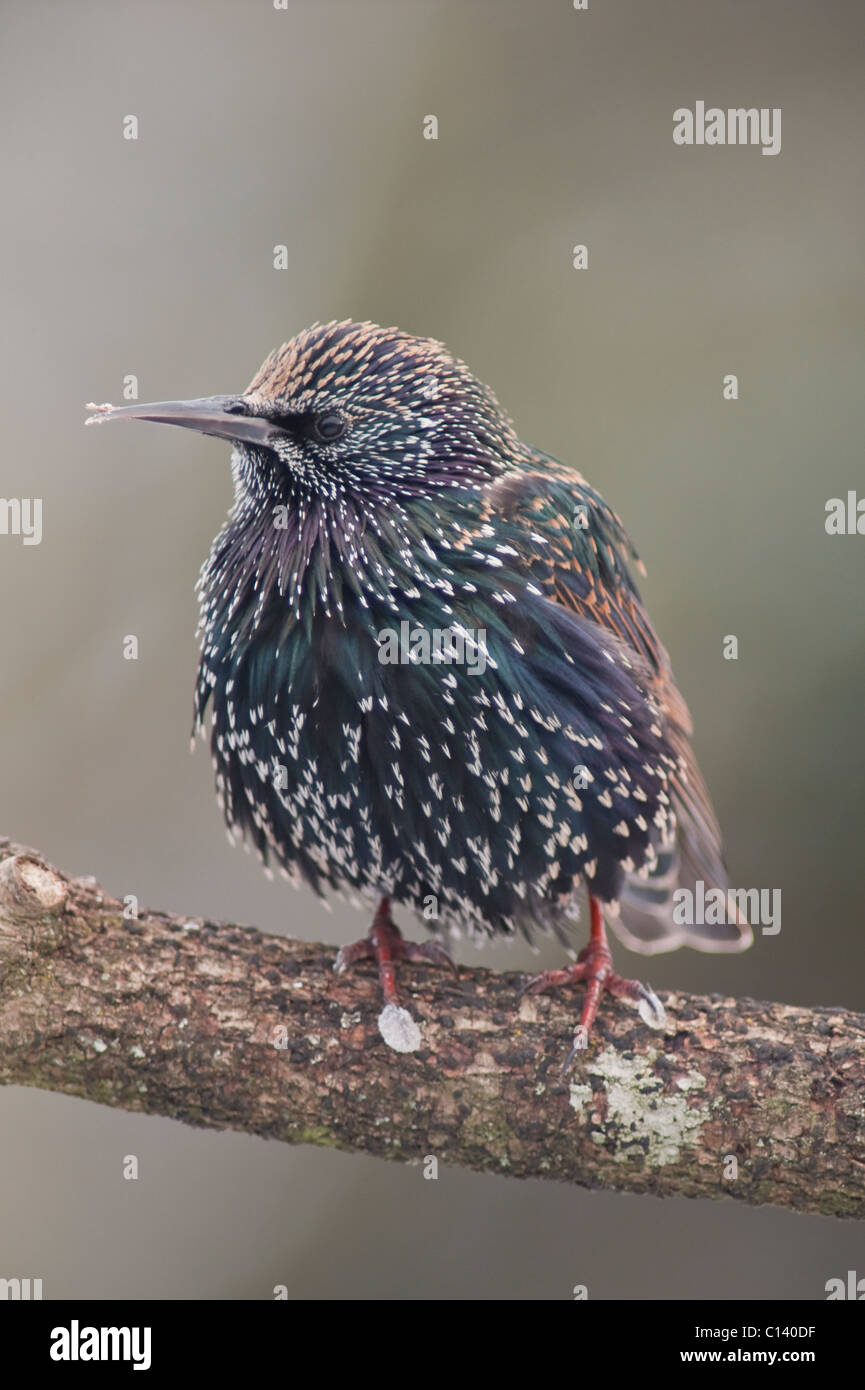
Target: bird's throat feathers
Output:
[{"x": 309, "y": 556}]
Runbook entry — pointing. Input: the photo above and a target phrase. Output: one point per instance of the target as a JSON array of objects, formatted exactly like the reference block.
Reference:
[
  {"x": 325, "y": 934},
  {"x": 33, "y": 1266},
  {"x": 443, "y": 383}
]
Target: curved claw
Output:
[
  {"x": 430, "y": 951},
  {"x": 385, "y": 945},
  {"x": 548, "y": 979},
  {"x": 348, "y": 956},
  {"x": 650, "y": 1008},
  {"x": 594, "y": 968},
  {"x": 578, "y": 1045}
]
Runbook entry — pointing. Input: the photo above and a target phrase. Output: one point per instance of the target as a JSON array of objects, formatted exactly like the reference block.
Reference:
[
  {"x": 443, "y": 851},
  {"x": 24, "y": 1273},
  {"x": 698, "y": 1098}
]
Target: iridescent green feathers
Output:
[{"x": 490, "y": 788}]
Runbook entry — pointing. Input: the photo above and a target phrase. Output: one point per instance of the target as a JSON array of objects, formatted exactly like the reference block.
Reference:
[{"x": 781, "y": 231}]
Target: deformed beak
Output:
[{"x": 223, "y": 416}]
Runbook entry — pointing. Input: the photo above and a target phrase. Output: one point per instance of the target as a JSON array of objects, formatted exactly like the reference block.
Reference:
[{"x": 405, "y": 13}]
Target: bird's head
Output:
[{"x": 352, "y": 410}]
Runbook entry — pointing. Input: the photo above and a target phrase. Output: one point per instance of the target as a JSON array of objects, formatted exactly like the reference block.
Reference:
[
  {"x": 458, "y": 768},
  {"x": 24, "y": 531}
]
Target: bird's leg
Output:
[
  {"x": 385, "y": 944},
  {"x": 594, "y": 967}
]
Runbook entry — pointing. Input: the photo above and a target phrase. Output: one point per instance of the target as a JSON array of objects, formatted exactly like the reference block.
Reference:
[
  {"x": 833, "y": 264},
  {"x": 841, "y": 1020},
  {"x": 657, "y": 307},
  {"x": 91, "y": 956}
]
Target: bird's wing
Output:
[
  {"x": 576, "y": 549},
  {"x": 577, "y": 552}
]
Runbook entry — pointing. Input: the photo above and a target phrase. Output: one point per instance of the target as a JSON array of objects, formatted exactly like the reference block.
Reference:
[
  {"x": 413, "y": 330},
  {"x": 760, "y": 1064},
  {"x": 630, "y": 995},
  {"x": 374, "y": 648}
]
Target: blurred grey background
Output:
[{"x": 154, "y": 257}]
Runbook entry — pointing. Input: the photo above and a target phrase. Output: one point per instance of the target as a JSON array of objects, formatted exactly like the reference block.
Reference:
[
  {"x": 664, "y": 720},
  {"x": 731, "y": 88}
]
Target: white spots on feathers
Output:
[{"x": 469, "y": 797}]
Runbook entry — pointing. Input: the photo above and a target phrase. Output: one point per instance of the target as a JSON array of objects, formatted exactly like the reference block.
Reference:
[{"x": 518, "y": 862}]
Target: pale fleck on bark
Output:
[{"x": 180, "y": 1017}]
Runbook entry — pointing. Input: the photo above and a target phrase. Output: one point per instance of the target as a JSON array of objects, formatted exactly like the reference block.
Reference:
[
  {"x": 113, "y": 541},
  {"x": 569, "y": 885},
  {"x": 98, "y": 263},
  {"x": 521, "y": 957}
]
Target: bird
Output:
[{"x": 430, "y": 677}]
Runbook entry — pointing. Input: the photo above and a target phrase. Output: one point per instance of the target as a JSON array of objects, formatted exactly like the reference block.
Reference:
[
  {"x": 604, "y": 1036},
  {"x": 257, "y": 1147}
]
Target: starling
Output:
[{"x": 431, "y": 678}]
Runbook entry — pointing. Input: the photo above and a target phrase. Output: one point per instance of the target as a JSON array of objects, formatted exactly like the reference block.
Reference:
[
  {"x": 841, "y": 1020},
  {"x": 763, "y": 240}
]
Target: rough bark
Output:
[{"x": 224, "y": 1027}]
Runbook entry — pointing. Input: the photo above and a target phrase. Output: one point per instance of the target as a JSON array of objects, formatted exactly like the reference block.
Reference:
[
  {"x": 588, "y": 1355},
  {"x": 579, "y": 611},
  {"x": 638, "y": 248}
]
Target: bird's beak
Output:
[{"x": 218, "y": 415}]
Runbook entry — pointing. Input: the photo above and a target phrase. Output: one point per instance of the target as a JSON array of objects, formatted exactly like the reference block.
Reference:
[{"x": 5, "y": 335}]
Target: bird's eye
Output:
[
  {"x": 322, "y": 427},
  {"x": 327, "y": 427},
  {"x": 236, "y": 408}
]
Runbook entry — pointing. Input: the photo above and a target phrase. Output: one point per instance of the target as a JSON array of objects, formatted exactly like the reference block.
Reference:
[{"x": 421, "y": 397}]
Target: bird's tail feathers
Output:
[{"x": 668, "y": 907}]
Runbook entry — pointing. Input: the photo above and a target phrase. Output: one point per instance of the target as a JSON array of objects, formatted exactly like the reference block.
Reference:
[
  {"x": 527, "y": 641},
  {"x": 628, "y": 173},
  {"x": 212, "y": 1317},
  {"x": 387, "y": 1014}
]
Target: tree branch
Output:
[{"x": 223, "y": 1027}]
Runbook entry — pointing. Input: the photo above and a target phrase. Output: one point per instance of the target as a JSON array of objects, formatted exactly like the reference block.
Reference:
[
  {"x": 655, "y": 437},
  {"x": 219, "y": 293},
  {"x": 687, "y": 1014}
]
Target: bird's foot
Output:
[
  {"x": 386, "y": 945},
  {"x": 594, "y": 968}
]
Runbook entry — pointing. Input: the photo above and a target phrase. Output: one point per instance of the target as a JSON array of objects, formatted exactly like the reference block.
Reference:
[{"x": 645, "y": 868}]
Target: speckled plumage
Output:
[
  {"x": 425, "y": 782},
  {"x": 531, "y": 741}
]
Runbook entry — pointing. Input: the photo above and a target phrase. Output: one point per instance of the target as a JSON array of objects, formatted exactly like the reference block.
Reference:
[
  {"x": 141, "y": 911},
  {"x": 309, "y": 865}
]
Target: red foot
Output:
[
  {"x": 385, "y": 945},
  {"x": 594, "y": 966}
]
